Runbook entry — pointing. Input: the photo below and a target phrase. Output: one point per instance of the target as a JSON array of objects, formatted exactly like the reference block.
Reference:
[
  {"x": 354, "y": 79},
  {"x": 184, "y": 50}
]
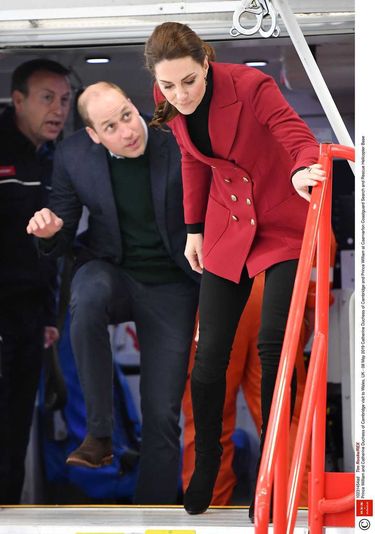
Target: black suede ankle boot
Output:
[
  {"x": 208, "y": 402},
  {"x": 199, "y": 493}
]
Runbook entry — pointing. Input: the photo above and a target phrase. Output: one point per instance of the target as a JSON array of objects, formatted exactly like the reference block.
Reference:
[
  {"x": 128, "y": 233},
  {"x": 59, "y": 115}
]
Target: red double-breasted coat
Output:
[{"x": 252, "y": 214}]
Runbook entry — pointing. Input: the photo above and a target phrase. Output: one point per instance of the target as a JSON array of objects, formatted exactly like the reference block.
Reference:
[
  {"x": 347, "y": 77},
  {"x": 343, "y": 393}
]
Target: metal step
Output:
[{"x": 134, "y": 520}]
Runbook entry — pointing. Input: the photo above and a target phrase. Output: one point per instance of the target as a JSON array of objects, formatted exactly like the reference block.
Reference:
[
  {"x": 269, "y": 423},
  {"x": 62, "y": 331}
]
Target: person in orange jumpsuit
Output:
[{"x": 245, "y": 371}]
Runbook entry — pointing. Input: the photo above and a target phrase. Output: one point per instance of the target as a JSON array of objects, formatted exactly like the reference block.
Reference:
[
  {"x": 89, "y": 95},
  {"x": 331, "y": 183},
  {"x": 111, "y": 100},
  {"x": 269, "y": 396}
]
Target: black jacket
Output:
[{"x": 25, "y": 176}]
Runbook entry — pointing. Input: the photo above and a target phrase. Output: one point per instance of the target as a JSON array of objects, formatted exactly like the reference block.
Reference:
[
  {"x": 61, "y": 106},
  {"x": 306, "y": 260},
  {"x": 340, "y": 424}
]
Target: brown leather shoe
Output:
[{"x": 93, "y": 452}]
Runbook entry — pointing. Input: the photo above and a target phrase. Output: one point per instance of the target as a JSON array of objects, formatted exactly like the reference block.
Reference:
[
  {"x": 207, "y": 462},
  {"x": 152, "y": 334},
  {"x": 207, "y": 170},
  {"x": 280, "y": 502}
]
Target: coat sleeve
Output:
[
  {"x": 196, "y": 176},
  {"x": 66, "y": 204},
  {"x": 273, "y": 111}
]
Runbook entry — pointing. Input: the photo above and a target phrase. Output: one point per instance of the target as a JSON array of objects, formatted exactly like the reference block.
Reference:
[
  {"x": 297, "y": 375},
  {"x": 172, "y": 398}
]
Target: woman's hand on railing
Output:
[{"x": 306, "y": 178}]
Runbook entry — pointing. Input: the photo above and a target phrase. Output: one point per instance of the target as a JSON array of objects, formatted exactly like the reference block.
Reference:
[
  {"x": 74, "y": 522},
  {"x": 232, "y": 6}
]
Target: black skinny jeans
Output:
[{"x": 220, "y": 307}]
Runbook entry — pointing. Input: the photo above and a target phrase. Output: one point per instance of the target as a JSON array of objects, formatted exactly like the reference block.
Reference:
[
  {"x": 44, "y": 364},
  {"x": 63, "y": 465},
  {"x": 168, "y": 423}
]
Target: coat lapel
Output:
[
  {"x": 224, "y": 113},
  {"x": 101, "y": 179}
]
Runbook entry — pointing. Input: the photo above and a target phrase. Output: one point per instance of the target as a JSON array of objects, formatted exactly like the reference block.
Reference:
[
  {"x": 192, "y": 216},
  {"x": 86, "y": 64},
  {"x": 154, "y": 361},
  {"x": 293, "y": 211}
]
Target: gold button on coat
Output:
[
  {"x": 227, "y": 180},
  {"x": 248, "y": 201},
  {"x": 234, "y": 217},
  {"x": 252, "y": 222},
  {"x": 245, "y": 179},
  {"x": 234, "y": 198}
]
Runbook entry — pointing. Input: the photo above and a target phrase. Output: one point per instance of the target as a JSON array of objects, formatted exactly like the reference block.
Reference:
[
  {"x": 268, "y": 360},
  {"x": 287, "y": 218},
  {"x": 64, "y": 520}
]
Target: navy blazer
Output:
[{"x": 81, "y": 177}]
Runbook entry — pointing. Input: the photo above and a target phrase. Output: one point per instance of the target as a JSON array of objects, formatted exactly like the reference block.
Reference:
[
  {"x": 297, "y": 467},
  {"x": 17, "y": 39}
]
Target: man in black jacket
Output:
[
  {"x": 41, "y": 97},
  {"x": 131, "y": 266}
]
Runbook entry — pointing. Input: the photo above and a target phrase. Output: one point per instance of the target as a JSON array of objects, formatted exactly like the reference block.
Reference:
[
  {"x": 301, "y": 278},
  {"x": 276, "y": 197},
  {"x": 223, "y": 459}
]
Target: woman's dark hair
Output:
[
  {"x": 172, "y": 40},
  {"x": 23, "y": 72}
]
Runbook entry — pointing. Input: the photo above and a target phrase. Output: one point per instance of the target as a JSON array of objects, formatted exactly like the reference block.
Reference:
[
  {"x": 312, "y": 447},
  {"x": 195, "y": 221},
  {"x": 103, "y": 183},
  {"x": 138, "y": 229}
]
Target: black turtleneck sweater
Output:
[{"x": 197, "y": 122}]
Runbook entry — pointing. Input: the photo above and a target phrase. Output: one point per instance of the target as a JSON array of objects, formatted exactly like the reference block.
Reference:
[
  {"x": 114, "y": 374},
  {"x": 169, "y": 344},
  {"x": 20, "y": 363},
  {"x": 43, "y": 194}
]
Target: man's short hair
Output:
[
  {"x": 23, "y": 72},
  {"x": 82, "y": 101}
]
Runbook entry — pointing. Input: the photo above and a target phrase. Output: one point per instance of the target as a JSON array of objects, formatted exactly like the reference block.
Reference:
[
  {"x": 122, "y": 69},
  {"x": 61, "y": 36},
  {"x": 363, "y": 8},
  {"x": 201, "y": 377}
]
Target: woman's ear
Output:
[{"x": 206, "y": 65}]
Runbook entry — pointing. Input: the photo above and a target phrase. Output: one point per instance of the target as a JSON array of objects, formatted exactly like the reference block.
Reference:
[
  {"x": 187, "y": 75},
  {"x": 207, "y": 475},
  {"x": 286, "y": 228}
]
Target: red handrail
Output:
[{"x": 274, "y": 462}]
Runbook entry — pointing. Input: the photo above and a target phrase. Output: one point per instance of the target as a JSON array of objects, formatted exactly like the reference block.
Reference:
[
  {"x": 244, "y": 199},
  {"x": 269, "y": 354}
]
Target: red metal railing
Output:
[{"x": 312, "y": 423}]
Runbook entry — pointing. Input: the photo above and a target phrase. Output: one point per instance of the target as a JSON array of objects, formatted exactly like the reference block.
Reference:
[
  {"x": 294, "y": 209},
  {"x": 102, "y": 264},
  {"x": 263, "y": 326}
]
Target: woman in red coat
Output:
[{"x": 248, "y": 161}]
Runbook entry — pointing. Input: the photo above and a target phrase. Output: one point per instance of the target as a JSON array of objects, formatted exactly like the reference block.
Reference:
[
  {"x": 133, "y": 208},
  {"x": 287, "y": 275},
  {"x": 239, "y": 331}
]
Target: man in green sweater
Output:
[{"x": 130, "y": 266}]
